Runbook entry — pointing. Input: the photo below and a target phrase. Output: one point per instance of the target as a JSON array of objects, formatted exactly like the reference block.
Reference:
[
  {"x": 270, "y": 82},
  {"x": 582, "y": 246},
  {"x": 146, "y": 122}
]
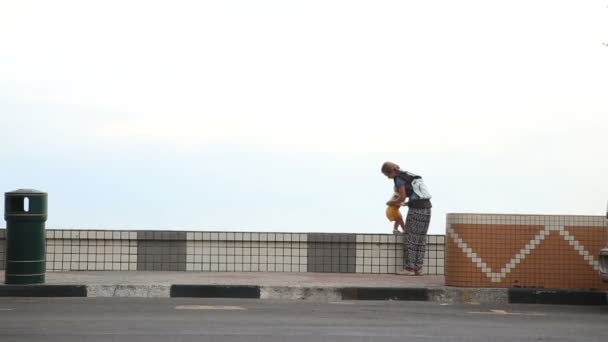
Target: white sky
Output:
[{"x": 502, "y": 106}]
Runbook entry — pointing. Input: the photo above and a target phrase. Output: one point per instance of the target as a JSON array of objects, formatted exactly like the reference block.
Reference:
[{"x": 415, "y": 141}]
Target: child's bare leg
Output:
[
  {"x": 396, "y": 226},
  {"x": 399, "y": 222}
]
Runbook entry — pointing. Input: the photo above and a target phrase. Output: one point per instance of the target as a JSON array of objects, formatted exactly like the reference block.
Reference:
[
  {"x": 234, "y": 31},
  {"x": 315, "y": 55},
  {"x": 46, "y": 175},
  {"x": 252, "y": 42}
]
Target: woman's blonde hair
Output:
[{"x": 389, "y": 166}]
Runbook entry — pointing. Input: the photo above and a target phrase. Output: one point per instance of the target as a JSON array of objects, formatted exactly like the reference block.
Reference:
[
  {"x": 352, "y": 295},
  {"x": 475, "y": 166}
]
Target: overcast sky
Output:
[{"x": 277, "y": 115}]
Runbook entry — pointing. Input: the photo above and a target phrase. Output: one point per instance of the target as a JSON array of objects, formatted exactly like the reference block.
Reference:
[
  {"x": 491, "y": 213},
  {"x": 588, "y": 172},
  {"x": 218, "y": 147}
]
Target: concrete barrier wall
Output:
[
  {"x": 524, "y": 251},
  {"x": 104, "y": 250}
]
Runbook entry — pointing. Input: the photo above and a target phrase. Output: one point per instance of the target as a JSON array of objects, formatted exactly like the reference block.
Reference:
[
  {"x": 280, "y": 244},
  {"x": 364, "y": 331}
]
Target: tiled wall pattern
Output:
[
  {"x": 377, "y": 253},
  {"x": 335, "y": 253},
  {"x": 87, "y": 250},
  {"x": 161, "y": 251},
  {"x": 246, "y": 252},
  {"x": 304, "y": 252},
  {"x": 527, "y": 251}
]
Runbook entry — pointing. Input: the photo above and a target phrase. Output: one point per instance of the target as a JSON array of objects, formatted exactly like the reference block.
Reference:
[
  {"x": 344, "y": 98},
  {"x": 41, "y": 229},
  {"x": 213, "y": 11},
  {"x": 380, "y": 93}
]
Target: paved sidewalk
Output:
[{"x": 307, "y": 279}]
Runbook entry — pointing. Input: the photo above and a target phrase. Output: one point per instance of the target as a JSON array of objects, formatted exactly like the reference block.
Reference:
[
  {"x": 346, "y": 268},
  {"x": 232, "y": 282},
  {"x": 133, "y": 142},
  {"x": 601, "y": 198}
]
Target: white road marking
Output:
[
  {"x": 208, "y": 307},
  {"x": 342, "y": 303},
  {"x": 503, "y": 312},
  {"x": 6, "y": 309}
]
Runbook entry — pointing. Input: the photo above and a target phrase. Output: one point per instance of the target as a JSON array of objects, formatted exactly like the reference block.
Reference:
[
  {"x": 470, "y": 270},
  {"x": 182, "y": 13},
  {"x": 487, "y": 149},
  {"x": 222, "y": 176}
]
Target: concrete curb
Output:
[
  {"x": 215, "y": 291},
  {"x": 43, "y": 291},
  {"x": 469, "y": 295},
  {"x": 318, "y": 294},
  {"x": 562, "y": 297},
  {"x": 385, "y": 293},
  {"x": 142, "y": 291}
]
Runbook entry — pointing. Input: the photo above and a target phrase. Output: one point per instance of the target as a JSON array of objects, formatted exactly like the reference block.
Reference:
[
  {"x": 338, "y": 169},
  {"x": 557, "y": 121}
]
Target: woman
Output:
[{"x": 418, "y": 215}]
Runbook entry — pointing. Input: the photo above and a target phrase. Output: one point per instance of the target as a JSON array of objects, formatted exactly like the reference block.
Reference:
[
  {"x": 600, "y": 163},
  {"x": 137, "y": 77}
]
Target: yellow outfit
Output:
[{"x": 392, "y": 213}]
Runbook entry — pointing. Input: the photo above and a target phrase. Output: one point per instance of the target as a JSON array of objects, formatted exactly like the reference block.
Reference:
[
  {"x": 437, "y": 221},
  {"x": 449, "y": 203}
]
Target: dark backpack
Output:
[{"x": 417, "y": 190}]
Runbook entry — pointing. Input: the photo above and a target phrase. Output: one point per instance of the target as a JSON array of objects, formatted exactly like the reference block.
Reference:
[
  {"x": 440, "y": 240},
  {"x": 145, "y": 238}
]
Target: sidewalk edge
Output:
[
  {"x": 43, "y": 291},
  {"x": 558, "y": 296},
  {"x": 318, "y": 293}
]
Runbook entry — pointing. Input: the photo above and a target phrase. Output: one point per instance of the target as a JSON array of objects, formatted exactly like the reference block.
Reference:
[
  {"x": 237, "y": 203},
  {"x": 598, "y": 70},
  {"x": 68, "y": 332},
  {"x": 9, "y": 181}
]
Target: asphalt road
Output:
[{"x": 182, "y": 319}]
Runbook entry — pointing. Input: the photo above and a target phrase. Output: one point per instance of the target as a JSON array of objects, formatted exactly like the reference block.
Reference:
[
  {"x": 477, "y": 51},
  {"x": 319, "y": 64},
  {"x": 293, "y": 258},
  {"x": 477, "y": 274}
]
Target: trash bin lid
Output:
[
  {"x": 25, "y": 203},
  {"x": 26, "y": 192}
]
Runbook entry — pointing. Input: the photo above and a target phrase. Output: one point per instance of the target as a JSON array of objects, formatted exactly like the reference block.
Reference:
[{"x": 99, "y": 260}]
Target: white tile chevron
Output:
[{"x": 497, "y": 277}]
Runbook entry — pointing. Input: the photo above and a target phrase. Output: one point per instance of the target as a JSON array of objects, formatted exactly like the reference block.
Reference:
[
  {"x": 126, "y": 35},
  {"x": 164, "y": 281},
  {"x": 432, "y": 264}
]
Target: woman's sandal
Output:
[
  {"x": 406, "y": 272},
  {"x": 410, "y": 272}
]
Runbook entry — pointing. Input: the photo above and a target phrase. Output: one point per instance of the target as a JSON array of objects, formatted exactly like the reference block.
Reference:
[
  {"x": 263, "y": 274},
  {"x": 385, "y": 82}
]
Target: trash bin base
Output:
[{"x": 24, "y": 279}]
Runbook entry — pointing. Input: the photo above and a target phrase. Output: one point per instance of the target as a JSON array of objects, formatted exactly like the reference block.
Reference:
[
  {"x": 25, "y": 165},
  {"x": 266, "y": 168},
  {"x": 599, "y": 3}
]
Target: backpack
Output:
[{"x": 416, "y": 186}]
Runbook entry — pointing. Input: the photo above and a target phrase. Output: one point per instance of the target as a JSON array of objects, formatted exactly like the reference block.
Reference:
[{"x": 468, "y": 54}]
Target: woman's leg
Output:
[{"x": 414, "y": 245}]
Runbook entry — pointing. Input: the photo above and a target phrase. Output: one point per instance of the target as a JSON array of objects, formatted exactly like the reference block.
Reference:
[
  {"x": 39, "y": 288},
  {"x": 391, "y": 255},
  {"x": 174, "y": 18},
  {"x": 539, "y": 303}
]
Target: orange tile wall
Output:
[{"x": 524, "y": 251}]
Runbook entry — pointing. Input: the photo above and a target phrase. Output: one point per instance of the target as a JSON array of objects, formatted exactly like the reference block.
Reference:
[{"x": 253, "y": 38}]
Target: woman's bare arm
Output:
[{"x": 399, "y": 200}]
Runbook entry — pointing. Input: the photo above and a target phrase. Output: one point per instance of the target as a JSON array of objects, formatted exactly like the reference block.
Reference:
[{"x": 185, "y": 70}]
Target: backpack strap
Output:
[{"x": 407, "y": 176}]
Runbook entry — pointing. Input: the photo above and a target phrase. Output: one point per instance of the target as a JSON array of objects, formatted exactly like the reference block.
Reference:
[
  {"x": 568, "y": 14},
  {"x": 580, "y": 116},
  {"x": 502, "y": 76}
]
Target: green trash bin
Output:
[{"x": 25, "y": 212}]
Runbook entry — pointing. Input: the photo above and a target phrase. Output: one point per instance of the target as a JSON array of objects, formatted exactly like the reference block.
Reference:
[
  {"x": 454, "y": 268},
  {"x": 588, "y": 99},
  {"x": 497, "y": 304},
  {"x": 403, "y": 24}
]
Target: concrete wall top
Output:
[{"x": 517, "y": 219}]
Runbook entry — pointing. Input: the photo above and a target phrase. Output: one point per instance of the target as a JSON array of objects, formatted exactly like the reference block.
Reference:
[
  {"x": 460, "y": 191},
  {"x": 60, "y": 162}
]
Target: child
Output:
[{"x": 393, "y": 215}]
